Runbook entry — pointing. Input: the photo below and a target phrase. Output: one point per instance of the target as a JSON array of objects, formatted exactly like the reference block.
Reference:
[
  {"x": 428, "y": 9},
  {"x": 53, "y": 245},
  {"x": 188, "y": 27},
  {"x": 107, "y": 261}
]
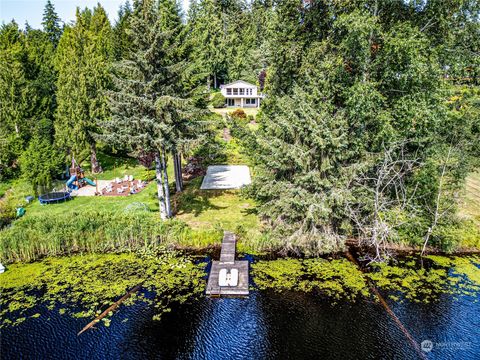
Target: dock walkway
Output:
[{"x": 227, "y": 261}]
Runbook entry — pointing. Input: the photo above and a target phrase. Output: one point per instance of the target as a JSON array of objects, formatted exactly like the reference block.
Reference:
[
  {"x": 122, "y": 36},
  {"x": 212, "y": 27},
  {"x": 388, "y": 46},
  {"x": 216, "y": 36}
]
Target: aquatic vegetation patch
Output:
[
  {"x": 335, "y": 278},
  {"x": 84, "y": 286},
  {"x": 404, "y": 279},
  {"x": 441, "y": 275}
]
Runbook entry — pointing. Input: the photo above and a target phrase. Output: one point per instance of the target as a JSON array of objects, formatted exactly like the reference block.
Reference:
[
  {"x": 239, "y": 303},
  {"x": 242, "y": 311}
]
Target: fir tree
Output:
[
  {"x": 148, "y": 115},
  {"x": 83, "y": 62},
  {"x": 51, "y": 23},
  {"x": 208, "y": 36},
  {"x": 122, "y": 43}
]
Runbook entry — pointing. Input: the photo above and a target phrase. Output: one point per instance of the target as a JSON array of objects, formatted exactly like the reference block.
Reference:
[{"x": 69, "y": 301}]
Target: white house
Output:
[{"x": 241, "y": 94}]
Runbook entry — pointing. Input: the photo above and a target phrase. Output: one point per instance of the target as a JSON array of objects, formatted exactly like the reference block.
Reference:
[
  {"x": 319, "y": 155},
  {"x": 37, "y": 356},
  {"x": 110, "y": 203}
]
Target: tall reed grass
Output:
[{"x": 40, "y": 235}]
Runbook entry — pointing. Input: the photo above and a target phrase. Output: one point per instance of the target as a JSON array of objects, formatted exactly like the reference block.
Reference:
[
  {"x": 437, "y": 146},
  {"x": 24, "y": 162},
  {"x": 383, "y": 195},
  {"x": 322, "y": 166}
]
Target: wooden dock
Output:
[{"x": 227, "y": 261}]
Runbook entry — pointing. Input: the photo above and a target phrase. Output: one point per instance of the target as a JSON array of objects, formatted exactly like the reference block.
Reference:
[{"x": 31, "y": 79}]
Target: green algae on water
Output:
[
  {"x": 440, "y": 275},
  {"x": 337, "y": 279},
  {"x": 85, "y": 285},
  {"x": 404, "y": 279}
]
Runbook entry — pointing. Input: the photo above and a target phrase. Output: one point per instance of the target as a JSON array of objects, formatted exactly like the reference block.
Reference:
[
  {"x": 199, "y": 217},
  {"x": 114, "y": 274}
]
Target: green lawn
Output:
[
  {"x": 224, "y": 111},
  {"x": 114, "y": 167},
  {"x": 471, "y": 202},
  {"x": 205, "y": 212},
  {"x": 225, "y": 209}
]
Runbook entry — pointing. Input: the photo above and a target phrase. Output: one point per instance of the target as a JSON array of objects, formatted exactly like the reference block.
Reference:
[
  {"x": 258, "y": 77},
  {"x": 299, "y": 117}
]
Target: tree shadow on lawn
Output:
[{"x": 196, "y": 202}]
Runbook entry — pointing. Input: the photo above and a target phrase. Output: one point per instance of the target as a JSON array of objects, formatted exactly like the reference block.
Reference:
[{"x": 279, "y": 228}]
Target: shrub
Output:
[
  {"x": 218, "y": 100},
  {"x": 239, "y": 114}
]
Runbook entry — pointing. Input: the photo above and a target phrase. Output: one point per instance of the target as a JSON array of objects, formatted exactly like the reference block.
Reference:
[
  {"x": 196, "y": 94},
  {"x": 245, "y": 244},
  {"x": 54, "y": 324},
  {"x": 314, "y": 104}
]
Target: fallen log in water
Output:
[
  {"x": 111, "y": 308},
  {"x": 390, "y": 312}
]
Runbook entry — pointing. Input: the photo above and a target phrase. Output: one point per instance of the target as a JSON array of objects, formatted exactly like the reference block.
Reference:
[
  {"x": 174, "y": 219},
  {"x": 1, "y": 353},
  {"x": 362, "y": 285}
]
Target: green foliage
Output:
[
  {"x": 51, "y": 23},
  {"x": 82, "y": 286},
  {"x": 301, "y": 146},
  {"x": 122, "y": 42},
  {"x": 218, "y": 100},
  {"x": 83, "y": 62},
  {"x": 27, "y": 93},
  {"x": 349, "y": 87},
  {"x": 452, "y": 236},
  {"x": 93, "y": 231},
  {"x": 40, "y": 163}
]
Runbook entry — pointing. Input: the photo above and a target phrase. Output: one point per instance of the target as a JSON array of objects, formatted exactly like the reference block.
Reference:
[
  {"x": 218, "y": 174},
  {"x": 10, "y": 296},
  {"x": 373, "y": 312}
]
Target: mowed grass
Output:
[
  {"x": 224, "y": 209},
  {"x": 224, "y": 111},
  {"x": 470, "y": 206},
  {"x": 147, "y": 196},
  {"x": 199, "y": 209},
  {"x": 114, "y": 167}
]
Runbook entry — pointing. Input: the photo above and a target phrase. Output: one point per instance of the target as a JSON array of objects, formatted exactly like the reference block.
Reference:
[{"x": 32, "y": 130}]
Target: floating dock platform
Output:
[{"x": 228, "y": 262}]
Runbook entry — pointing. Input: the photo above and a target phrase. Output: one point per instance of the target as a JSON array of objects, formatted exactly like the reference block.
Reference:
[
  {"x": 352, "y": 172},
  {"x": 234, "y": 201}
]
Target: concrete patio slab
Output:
[{"x": 220, "y": 177}]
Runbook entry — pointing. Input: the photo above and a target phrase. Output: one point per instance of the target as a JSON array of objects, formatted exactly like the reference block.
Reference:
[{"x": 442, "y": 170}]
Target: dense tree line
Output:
[
  {"x": 357, "y": 137},
  {"x": 362, "y": 133}
]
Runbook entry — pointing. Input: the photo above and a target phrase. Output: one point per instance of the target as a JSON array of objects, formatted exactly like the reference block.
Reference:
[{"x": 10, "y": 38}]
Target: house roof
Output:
[{"x": 238, "y": 82}]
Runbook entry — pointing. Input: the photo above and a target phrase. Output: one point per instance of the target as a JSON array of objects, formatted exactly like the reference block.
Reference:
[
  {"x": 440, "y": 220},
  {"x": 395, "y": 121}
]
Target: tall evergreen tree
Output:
[
  {"x": 379, "y": 76},
  {"x": 27, "y": 92},
  {"x": 208, "y": 36},
  {"x": 148, "y": 112},
  {"x": 122, "y": 43},
  {"x": 51, "y": 23},
  {"x": 83, "y": 62}
]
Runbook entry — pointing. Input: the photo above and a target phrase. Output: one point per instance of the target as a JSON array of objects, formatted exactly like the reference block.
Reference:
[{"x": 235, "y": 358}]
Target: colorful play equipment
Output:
[
  {"x": 54, "y": 197},
  {"x": 20, "y": 212},
  {"x": 77, "y": 177}
]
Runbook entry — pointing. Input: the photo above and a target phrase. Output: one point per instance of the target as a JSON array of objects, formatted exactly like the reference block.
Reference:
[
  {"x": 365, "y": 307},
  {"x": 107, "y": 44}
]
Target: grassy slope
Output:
[
  {"x": 201, "y": 210},
  {"x": 228, "y": 210},
  {"x": 223, "y": 111},
  {"x": 471, "y": 203}
]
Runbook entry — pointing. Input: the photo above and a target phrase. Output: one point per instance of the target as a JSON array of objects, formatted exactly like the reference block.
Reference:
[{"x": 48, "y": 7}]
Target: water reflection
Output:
[
  {"x": 267, "y": 325},
  {"x": 230, "y": 328}
]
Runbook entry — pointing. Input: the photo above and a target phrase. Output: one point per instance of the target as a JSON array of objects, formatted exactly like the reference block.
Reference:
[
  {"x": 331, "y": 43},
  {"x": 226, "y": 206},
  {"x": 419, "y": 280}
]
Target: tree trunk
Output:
[
  {"x": 96, "y": 168},
  {"x": 165, "y": 185},
  {"x": 177, "y": 164},
  {"x": 160, "y": 192},
  {"x": 208, "y": 83},
  {"x": 215, "y": 81},
  {"x": 436, "y": 215}
]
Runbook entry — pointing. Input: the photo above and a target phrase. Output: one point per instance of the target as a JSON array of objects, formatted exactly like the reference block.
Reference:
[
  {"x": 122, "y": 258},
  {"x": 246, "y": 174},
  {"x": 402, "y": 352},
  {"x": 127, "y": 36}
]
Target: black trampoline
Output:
[{"x": 54, "y": 197}]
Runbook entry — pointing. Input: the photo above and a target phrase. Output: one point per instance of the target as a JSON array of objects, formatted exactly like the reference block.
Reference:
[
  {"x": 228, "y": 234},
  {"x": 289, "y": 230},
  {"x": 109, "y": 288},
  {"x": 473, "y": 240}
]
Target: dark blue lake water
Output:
[{"x": 267, "y": 325}]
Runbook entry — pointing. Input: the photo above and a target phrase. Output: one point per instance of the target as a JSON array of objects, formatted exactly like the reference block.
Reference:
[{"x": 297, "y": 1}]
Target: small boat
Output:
[{"x": 226, "y": 278}]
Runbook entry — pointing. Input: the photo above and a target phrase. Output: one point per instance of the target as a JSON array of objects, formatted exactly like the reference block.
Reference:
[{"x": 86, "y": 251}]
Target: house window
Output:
[
  {"x": 229, "y": 91},
  {"x": 235, "y": 91},
  {"x": 230, "y": 102},
  {"x": 250, "y": 101},
  {"x": 242, "y": 91},
  {"x": 249, "y": 91}
]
